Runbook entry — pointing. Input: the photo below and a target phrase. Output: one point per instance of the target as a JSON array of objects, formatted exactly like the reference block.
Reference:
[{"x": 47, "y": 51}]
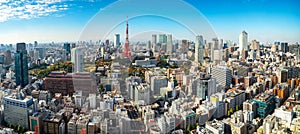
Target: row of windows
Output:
[
  {"x": 18, "y": 104},
  {"x": 15, "y": 104}
]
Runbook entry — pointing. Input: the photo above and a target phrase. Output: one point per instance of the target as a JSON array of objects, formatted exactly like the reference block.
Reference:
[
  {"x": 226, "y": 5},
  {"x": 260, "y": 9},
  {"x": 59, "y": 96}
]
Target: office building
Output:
[
  {"x": 117, "y": 42},
  {"x": 67, "y": 47},
  {"x": 265, "y": 104},
  {"x": 131, "y": 82},
  {"x": 82, "y": 124},
  {"x": 281, "y": 90},
  {"x": 158, "y": 82},
  {"x": 217, "y": 56},
  {"x": 222, "y": 74},
  {"x": 189, "y": 118},
  {"x": 171, "y": 121},
  {"x": 220, "y": 105},
  {"x": 282, "y": 75},
  {"x": 161, "y": 122},
  {"x": 235, "y": 99},
  {"x": 8, "y": 58},
  {"x": 148, "y": 45},
  {"x": 77, "y": 59},
  {"x": 283, "y": 47},
  {"x": 203, "y": 88},
  {"x": 284, "y": 114},
  {"x": 36, "y": 121},
  {"x": 40, "y": 51},
  {"x": 162, "y": 38},
  {"x": 239, "y": 128},
  {"x": 250, "y": 106},
  {"x": 52, "y": 124},
  {"x": 142, "y": 94},
  {"x": 199, "y": 49},
  {"x": 154, "y": 41},
  {"x": 295, "y": 49},
  {"x": 243, "y": 41},
  {"x": 68, "y": 83},
  {"x": 18, "y": 108},
  {"x": 215, "y": 126},
  {"x": 169, "y": 44},
  {"x": 21, "y": 65},
  {"x": 93, "y": 101},
  {"x": 248, "y": 116},
  {"x": 216, "y": 45},
  {"x": 221, "y": 44},
  {"x": 268, "y": 124}
]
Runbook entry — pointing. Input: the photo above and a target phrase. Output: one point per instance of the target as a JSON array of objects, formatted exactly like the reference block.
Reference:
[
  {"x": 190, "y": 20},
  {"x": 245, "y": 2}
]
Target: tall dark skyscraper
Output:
[
  {"x": 21, "y": 65},
  {"x": 67, "y": 47},
  {"x": 21, "y": 46}
]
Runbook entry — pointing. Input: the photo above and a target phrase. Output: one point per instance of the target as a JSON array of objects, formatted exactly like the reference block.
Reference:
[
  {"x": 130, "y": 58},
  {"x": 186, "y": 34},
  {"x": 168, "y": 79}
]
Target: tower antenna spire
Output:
[{"x": 126, "y": 28}]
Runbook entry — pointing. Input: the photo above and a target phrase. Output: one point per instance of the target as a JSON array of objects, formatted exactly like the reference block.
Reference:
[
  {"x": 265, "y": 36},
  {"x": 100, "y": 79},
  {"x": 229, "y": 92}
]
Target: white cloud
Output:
[{"x": 25, "y": 9}]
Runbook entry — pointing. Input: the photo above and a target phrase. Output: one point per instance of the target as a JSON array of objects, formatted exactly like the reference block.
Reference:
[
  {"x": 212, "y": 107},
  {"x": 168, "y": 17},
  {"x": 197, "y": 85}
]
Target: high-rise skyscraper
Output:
[
  {"x": 199, "y": 49},
  {"x": 77, "y": 59},
  {"x": 21, "y": 65},
  {"x": 148, "y": 45},
  {"x": 216, "y": 43},
  {"x": 221, "y": 44},
  {"x": 7, "y": 55},
  {"x": 214, "y": 50},
  {"x": 41, "y": 52},
  {"x": 117, "y": 40},
  {"x": 67, "y": 47},
  {"x": 162, "y": 38},
  {"x": 243, "y": 41},
  {"x": 21, "y": 46},
  {"x": 35, "y": 44},
  {"x": 169, "y": 44},
  {"x": 154, "y": 42},
  {"x": 284, "y": 47}
]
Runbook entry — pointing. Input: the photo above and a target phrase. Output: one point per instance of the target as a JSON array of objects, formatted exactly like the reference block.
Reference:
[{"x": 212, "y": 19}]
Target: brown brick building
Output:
[{"x": 68, "y": 83}]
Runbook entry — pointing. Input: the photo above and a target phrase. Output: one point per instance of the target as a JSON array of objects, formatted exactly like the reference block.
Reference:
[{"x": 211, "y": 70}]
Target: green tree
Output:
[
  {"x": 101, "y": 88},
  {"x": 188, "y": 128},
  {"x": 19, "y": 128}
]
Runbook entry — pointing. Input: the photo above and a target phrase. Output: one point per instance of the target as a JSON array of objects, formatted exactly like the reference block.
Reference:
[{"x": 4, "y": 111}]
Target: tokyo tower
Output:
[{"x": 126, "y": 51}]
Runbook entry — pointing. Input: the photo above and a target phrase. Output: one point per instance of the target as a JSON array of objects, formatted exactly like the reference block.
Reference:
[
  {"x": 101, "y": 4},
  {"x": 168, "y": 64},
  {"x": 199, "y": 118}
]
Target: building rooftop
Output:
[
  {"x": 62, "y": 74},
  {"x": 215, "y": 124},
  {"x": 262, "y": 97},
  {"x": 20, "y": 97},
  {"x": 233, "y": 93},
  {"x": 51, "y": 117}
]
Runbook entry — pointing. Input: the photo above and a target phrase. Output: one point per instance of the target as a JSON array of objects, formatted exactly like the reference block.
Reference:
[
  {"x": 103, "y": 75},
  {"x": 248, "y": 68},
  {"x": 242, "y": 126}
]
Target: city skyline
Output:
[
  {"x": 149, "y": 66},
  {"x": 63, "y": 21}
]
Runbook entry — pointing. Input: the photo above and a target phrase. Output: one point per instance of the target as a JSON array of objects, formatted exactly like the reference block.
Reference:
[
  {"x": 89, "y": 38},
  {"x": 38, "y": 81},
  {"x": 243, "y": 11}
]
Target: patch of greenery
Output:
[{"x": 60, "y": 66}]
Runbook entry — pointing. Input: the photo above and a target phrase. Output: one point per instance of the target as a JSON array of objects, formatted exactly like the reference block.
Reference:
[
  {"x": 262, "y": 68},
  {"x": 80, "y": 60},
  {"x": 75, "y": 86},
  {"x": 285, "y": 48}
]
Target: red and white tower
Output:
[{"x": 126, "y": 51}]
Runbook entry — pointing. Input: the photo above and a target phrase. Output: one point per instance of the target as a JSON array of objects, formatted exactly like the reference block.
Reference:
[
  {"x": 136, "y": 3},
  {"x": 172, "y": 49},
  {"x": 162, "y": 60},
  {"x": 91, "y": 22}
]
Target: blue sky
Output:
[{"x": 60, "y": 20}]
